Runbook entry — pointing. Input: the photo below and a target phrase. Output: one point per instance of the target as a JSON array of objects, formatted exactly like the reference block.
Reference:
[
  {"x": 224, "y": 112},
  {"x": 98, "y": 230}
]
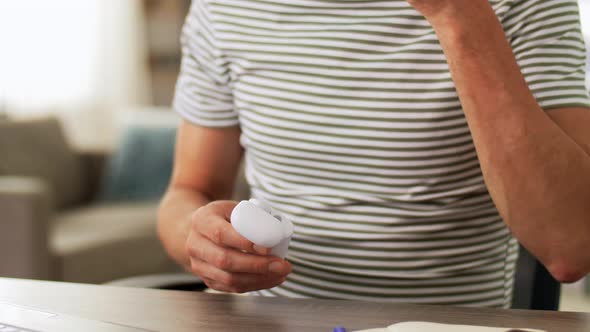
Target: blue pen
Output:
[{"x": 339, "y": 329}]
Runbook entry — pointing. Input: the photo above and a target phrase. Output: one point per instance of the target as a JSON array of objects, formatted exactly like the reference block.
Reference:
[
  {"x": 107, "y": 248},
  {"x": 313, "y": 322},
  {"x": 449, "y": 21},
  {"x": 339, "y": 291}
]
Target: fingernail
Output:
[
  {"x": 261, "y": 250},
  {"x": 275, "y": 267}
]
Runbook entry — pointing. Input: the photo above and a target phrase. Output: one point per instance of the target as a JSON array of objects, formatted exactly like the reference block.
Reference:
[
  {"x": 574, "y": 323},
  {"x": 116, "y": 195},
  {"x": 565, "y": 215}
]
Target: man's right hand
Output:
[{"x": 225, "y": 260}]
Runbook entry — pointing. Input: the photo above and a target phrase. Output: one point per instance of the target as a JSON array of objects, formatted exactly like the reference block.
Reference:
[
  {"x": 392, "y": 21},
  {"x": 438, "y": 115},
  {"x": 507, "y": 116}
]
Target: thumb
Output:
[{"x": 224, "y": 208}]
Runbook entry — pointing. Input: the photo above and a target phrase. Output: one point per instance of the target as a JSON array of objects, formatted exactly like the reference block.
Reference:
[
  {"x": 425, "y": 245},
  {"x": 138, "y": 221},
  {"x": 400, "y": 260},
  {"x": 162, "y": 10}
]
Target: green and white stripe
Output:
[{"x": 353, "y": 128}]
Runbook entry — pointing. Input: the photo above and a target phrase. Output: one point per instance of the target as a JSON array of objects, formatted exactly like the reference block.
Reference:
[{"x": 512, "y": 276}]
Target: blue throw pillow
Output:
[{"x": 141, "y": 168}]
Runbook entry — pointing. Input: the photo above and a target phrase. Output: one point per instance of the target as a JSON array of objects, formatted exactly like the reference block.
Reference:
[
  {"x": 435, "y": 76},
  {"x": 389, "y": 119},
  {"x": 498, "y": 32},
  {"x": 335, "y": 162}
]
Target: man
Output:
[{"x": 408, "y": 142}]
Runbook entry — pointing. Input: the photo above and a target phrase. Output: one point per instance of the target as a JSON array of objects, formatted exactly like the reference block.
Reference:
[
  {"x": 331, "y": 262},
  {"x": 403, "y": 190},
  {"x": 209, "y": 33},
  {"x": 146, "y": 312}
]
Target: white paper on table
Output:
[{"x": 436, "y": 327}]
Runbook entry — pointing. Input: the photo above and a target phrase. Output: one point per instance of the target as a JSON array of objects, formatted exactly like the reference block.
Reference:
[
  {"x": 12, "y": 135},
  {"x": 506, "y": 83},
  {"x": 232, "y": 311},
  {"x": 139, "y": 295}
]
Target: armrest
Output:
[{"x": 25, "y": 211}]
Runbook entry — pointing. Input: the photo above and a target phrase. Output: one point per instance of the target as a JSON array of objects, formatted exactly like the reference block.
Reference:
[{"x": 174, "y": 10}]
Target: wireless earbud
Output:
[{"x": 257, "y": 222}]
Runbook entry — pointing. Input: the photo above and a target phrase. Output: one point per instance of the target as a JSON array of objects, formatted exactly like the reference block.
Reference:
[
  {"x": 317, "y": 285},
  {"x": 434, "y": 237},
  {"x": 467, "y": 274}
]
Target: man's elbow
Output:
[
  {"x": 567, "y": 272},
  {"x": 567, "y": 261}
]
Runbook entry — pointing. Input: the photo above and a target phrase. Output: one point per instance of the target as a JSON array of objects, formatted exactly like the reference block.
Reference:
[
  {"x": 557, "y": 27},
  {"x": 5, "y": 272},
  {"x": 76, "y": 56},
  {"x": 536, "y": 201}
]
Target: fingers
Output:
[
  {"x": 231, "y": 260},
  {"x": 224, "y": 259},
  {"x": 221, "y": 232},
  {"x": 212, "y": 223},
  {"x": 234, "y": 282},
  {"x": 223, "y": 208}
]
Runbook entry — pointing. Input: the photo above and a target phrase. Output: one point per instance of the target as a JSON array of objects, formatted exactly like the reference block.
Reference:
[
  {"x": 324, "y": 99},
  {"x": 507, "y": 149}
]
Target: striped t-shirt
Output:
[{"x": 352, "y": 127}]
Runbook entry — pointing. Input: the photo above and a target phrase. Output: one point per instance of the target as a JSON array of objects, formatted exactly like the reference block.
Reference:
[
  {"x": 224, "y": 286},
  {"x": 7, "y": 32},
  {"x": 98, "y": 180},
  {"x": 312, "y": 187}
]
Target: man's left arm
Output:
[{"x": 536, "y": 164}]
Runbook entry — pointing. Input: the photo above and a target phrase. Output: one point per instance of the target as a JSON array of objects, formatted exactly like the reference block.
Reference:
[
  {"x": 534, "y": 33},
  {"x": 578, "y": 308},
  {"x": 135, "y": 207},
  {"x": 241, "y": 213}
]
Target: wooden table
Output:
[{"x": 190, "y": 311}]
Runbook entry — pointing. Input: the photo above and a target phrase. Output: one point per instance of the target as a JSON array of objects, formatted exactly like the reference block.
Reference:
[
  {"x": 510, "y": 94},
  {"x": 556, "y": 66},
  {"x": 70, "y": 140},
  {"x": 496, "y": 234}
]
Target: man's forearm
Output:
[
  {"x": 537, "y": 175},
  {"x": 174, "y": 218}
]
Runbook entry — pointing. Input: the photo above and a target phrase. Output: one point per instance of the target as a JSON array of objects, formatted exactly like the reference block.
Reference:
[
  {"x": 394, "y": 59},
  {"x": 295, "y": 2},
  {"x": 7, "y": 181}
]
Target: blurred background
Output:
[
  {"x": 87, "y": 134},
  {"x": 88, "y": 61}
]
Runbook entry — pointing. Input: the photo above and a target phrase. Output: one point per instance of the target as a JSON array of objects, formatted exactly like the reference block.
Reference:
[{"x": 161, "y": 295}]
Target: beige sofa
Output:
[{"x": 50, "y": 226}]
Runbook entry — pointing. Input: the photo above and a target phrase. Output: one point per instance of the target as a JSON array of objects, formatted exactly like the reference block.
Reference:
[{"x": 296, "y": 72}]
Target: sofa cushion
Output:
[
  {"x": 38, "y": 148},
  {"x": 140, "y": 169},
  {"x": 105, "y": 242}
]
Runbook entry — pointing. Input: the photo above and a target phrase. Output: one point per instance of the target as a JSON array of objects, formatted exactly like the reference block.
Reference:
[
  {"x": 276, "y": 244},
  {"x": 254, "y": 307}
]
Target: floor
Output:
[{"x": 574, "y": 299}]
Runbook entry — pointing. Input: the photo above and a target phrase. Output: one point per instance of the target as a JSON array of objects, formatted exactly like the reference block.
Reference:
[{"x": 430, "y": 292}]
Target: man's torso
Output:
[{"x": 353, "y": 128}]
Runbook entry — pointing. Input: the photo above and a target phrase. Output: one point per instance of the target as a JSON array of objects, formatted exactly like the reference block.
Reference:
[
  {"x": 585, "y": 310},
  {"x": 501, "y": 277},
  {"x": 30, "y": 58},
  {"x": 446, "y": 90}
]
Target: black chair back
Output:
[{"x": 534, "y": 287}]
